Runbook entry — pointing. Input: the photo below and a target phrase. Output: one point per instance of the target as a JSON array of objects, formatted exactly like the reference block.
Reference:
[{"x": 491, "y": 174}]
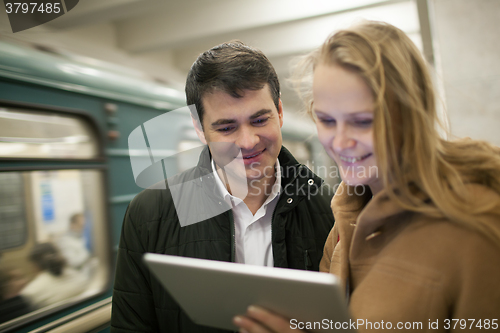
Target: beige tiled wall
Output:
[{"x": 468, "y": 39}]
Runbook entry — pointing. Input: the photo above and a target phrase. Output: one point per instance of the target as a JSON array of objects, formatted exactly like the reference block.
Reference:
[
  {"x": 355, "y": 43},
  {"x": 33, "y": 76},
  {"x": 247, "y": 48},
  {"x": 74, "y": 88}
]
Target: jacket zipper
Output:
[
  {"x": 306, "y": 260},
  {"x": 272, "y": 224},
  {"x": 278, "y": 207},
  {"x": 233, "y": 236}
]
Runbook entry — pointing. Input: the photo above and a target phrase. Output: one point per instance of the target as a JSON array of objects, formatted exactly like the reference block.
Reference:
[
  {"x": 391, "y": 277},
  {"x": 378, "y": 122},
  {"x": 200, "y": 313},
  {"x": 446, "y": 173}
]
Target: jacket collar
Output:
[
  {"x": 357, "y": 205},
  {"x": 203, "y": 166},
  {"x": 293, "y": 173}
]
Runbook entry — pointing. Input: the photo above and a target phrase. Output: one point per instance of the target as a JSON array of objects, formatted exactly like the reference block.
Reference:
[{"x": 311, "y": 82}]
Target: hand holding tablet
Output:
[{"x": 212, "y": 293}]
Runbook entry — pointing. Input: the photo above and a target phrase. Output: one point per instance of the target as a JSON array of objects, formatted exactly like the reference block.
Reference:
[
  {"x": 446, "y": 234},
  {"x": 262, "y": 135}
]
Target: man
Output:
[
  {"x": 73, "y": 243},
  {"x": 277, "y": 212}
]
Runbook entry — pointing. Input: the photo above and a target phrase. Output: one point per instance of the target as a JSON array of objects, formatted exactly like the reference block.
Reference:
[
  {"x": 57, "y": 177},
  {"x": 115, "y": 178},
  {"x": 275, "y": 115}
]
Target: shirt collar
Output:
[{"x": 275, "y": 190}]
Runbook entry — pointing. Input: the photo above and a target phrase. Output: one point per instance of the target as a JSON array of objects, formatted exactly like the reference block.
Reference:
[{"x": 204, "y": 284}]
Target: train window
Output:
[
  {"x": 30, "y": 134},
  {"x": 54, "y": 246},
  {"x": 63, "y": 256},
  {"x": 13, "y": 228}
]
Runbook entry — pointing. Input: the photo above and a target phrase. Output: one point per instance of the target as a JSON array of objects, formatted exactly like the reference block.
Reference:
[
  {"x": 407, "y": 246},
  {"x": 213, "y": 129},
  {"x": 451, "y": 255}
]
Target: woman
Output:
[{"x": 417, "y": 232}]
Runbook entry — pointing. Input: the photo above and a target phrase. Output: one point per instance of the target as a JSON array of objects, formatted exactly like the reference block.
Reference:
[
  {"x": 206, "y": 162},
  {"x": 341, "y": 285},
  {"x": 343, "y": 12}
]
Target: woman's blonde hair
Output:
[{"x": 412, "y": 158}]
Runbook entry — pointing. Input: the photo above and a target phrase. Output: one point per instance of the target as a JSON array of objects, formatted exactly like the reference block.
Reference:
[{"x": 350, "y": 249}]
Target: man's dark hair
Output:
[
  {"x": 48, "y": 258},
  {"x": 74, "y": 218},
  {"x": 232, "y": 68}
]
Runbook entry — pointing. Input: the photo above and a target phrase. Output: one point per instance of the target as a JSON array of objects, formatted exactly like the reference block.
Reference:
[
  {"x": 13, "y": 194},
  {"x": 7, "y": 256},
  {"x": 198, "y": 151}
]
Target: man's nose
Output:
[
  {"x": 343, "y": 139},
  {"x": 247, "y": 139}
]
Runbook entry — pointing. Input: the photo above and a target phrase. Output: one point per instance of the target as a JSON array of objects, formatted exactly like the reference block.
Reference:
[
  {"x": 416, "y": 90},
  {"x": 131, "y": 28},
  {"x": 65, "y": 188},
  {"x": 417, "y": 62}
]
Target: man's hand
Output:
[{"x": 258, "y": 320}]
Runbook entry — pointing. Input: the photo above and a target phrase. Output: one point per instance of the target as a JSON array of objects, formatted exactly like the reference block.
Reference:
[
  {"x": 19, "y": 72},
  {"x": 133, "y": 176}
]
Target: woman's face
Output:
[{"x": 344, "y": 106}]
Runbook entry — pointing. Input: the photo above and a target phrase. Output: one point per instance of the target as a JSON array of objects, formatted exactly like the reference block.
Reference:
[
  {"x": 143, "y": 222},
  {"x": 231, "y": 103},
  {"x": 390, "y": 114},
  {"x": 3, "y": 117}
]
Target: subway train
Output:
[{"x": 66, "y": 179}]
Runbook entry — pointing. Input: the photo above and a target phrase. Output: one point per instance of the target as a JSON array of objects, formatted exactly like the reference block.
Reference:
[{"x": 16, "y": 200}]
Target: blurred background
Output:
[
  {"x": 162, "y": 38},
  {"x": 72, "y": 91}
]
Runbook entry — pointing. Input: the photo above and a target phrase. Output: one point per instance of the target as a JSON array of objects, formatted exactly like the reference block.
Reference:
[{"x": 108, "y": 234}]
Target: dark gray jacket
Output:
[{"x": 301, "y": 222}]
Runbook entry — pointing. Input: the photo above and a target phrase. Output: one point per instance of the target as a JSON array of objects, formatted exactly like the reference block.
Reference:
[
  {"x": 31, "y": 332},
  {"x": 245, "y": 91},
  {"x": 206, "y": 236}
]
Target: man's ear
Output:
[
  {"x": 280, "y": 113},
  {"x": 199, "y": 130}
]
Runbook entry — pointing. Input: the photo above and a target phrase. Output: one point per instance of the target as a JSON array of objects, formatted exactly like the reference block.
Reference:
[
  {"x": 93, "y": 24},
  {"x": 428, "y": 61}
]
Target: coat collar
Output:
[{"x": 357, "y": 206}]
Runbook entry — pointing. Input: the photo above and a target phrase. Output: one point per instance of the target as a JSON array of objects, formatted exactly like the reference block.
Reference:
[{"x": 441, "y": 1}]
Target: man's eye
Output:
[
  {"x": 260, "y": 121},
  {"x": 225, "y": 129}
]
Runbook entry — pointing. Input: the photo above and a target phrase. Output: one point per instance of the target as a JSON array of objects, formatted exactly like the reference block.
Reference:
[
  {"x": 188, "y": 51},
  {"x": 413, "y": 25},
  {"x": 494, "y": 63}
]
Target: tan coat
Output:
[{"x": 407, "y": 267}]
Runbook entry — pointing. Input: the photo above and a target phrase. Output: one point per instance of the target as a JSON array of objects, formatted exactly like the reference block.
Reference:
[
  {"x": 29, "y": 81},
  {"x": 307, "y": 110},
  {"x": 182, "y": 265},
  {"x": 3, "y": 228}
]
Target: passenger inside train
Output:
[
  {"x": 73, "y": 244},
  {"x": 54, "y": 281},
  {"x": 421, "y": 242}
]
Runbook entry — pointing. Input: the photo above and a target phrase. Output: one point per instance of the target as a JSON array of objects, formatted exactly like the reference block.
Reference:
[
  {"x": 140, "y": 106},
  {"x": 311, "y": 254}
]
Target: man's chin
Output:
[
  {"x": 254, "y": 173},
  {"x": 253, "y": 179}
]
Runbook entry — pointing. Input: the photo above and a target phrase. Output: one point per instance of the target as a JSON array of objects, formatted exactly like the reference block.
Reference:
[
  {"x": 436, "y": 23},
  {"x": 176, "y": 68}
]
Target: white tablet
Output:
[{"x": 213, "y": 292}]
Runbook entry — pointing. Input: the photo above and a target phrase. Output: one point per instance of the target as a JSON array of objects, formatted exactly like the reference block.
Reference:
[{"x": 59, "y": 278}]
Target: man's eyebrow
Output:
[
  {"x": 232, "y": 121},
  {"x": 260, "y": 113},
  {"x": 223, "y": 122}
]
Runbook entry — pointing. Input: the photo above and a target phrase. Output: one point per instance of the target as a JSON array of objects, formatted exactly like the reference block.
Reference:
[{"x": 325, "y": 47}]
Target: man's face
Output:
[
  {"x": 250, "y": 124},
  {"x": 78, "y": 224}
]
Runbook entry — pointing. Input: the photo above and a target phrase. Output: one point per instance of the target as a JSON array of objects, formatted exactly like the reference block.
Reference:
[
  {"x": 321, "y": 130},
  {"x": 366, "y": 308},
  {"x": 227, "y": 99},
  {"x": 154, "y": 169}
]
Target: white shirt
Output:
[
  {"x": 73, "y": 248},
  {"x": 46, "y": 289},
  {"x": 252, "y": 232}
]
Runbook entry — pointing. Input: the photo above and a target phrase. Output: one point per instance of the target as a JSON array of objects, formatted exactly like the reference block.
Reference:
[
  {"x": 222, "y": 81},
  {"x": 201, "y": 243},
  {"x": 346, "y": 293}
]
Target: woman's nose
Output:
[{"x": 342, "y": 140}]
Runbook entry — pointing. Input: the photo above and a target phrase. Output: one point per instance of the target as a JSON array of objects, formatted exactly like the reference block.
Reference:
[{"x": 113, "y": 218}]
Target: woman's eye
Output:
[
  {"x": 327, "y": 121},
  {"x": 364, "y": 122}
]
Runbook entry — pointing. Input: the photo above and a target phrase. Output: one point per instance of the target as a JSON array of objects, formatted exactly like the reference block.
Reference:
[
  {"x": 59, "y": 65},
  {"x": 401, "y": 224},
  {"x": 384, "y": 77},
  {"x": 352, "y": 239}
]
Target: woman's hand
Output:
[{"x": 258, "y": 320}]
